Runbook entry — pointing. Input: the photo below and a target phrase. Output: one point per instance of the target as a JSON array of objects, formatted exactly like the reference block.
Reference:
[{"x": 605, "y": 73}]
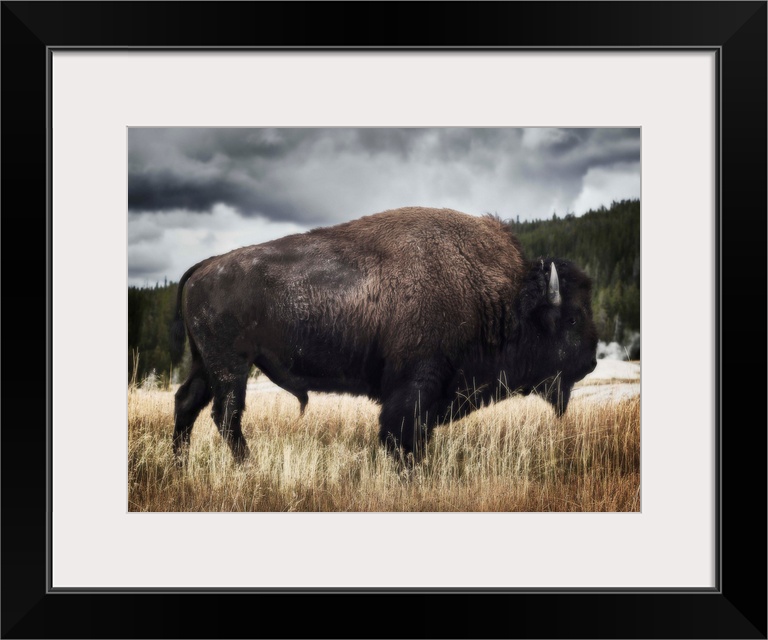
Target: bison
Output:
[{"x": 430, "y": 312}]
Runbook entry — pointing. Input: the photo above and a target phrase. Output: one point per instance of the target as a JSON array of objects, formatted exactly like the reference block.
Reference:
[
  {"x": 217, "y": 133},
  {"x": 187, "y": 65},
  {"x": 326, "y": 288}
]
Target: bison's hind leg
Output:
[
  {"x": 190, "y": 399},
  {"x": 228, "y": 406}
]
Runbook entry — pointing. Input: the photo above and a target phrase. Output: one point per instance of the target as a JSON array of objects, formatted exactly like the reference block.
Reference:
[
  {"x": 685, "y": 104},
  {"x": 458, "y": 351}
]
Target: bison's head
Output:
[{"x": 557, "y": 339}]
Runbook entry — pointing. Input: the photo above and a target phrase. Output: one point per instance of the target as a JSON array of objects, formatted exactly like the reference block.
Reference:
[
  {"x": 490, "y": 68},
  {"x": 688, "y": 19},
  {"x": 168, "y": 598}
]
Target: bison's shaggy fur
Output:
[{"x": 429, "y": 311}]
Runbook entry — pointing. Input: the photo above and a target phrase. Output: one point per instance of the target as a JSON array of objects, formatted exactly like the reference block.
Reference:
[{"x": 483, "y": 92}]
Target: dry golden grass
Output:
[{"x": 512, "y": 456}]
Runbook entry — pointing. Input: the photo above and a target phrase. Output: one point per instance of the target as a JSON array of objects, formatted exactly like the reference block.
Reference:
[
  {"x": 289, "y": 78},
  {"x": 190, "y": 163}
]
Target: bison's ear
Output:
[{"x": 532, "y": 292}]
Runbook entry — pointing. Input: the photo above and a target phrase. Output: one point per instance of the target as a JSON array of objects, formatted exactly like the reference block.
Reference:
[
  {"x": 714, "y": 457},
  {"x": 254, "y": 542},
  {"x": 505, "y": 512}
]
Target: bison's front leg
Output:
[
  {"x": 402, "y": 432},
  {"x": 228, "y": 407},
  {"x": 408, "y": 414}
]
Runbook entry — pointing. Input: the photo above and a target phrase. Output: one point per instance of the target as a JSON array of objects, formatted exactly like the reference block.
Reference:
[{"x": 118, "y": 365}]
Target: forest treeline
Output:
[
  {"x": 604, "y": 242},
  {"x": 150, "y": 313}
]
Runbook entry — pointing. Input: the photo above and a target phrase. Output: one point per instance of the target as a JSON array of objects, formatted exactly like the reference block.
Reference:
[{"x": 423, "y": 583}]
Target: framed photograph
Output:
[
  {"x": 99, "y": 100},
  {"x": 351, "y": 325}
]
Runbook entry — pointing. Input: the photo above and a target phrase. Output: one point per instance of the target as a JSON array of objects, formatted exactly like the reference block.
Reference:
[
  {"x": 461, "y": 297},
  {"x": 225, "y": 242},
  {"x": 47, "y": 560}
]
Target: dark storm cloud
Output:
[
  {"x": 167, "y": 190},
  {"x": 575, "y": 151},
  {"x": 318, "y": 176},
  {"x": 195, "y": 169}
]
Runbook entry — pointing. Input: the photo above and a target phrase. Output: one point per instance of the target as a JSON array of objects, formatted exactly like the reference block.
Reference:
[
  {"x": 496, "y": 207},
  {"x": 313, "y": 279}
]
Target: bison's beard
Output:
[
  {"x": 557, "y": 392},
  {"x": 560, "y": 401}
]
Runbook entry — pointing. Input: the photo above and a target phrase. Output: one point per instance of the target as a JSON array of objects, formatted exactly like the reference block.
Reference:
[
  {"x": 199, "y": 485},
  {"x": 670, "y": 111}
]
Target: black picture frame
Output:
[{"x": 736, "y": 608}]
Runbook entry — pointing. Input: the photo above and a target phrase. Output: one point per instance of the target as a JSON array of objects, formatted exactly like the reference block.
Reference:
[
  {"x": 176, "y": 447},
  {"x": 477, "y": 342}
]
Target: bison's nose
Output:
[{"x": 594, "y": 364}]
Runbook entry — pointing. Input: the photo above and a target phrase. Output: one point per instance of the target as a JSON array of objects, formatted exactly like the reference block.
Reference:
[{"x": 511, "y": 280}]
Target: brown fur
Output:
[{"x": 422, "y": 280}]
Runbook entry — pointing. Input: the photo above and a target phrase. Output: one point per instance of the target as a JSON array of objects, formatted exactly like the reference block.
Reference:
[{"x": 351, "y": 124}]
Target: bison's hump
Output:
[{"x": 417, "y": 280}]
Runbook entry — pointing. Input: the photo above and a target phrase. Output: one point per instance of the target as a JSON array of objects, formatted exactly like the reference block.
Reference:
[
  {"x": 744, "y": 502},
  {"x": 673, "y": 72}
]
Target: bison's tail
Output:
[
  {"x": 178, "y": 334},
  {"x": 178, "y": 330}
]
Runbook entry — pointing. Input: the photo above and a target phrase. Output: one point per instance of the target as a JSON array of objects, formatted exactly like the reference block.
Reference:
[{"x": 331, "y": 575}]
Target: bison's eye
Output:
[{"x": 572, "y": 320}]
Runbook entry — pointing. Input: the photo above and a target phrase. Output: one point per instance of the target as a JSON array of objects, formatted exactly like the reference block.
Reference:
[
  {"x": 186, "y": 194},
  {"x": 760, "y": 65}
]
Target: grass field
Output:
[{"x": 514, "y": 455}]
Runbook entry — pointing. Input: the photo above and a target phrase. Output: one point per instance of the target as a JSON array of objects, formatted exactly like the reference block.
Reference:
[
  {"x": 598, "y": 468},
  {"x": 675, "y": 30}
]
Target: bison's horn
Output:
[{"x": 554, "y": 286}]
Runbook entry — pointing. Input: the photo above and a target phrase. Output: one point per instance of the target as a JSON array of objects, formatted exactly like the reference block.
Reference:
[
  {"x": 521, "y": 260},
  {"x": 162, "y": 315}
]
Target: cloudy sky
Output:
[{"x": 198, "y": 192}]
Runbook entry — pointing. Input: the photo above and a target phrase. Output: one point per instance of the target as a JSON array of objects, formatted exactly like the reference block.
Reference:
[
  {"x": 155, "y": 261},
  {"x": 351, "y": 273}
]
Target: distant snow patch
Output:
[
  {"x": 613, "y": 370},
  {"x": 610, "y": 381},
  {"x": 607, "y": 392}
]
